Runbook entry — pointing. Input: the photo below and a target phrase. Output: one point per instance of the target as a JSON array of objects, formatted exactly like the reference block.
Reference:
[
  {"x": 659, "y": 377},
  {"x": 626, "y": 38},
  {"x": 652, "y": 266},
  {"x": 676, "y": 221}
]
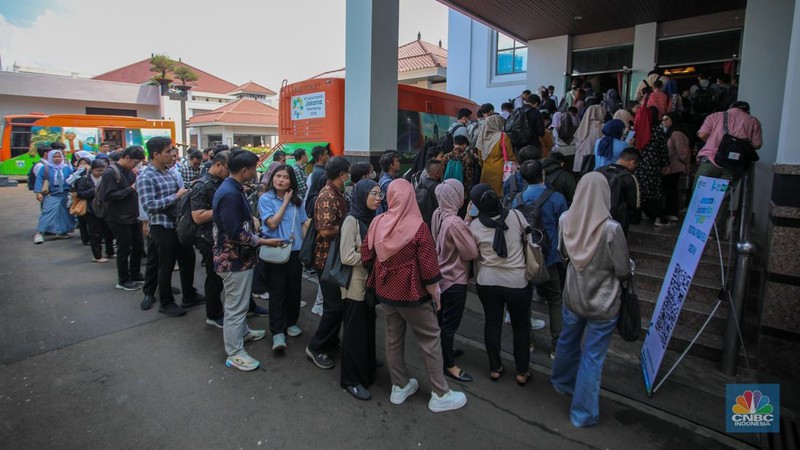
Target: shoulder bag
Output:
[
  {"x": 334, "y": 271},
  {"x": 281, "y": 254},
  {"x": 509, "y": 167},
  {"x": 78, "y": 207},
  {"x": 535, "y": 266},
  {"x": 629, "y": 323},
  {"x": 734, "y": 153}
]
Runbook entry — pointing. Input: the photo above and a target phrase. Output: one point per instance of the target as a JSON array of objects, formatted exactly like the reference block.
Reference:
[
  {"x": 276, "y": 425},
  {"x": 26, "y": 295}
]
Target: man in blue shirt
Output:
[
  {"x": 390, "y": 165},
  {"x": 549, "y": 212}
]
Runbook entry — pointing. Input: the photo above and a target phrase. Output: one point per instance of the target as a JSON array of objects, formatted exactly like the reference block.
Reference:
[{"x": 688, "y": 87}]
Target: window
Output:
[
  {"x": 111, "y": 111},
  {"x": 512, "y": 55},
  {"x": 710, "y": 47},
  {"x": 609, "y": 59},
  {"x": 20, "y": 140}
]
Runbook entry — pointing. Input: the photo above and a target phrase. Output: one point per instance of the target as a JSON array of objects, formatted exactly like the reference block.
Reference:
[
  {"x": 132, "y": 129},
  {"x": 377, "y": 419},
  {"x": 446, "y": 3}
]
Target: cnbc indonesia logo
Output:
[{"x": 755, "y": 408}]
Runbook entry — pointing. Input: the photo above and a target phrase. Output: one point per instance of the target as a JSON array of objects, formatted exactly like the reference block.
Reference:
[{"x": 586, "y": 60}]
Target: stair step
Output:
[
  {"x": 655, "y": 240},
  {"x": 692, "y": 315},
  {"x": 653, "y": 262},
  {"x": 702, "y": 290}
]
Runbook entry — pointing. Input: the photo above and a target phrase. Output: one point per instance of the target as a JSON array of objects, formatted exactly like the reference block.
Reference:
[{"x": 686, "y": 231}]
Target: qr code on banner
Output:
[{"x": 676, "y": 292}]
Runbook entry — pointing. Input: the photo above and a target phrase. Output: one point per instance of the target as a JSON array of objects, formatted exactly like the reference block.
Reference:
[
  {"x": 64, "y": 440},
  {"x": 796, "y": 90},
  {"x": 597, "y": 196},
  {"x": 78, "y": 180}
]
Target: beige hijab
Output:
[
  {"x": 489, "y": 134},
  {"x": 585, "y": 222},
  {"x": 625, "y": 117}
]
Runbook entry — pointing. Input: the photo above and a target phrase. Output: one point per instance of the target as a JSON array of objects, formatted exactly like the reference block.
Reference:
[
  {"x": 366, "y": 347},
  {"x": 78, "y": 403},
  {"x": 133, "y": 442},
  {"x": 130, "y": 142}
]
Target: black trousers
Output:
[
  {"x": 327, "y": 335},
  {"x": 671, "y": 195},
  {"x": 518, "y": 302},
  {"x": 358, "y": 343},
  {"x": 550, "y": 292},
  {"x": 99, "y": 231},
  {"x": 453, "y": 301},
  {"x": 167, "y": 251},
  {"x": 212, "y": 288},
  {"x": 654, "y": 209},
  {"x": 83, "y": 227},
  {"x": 129, "y": 250},
  {"x": 283, "y": 282}
]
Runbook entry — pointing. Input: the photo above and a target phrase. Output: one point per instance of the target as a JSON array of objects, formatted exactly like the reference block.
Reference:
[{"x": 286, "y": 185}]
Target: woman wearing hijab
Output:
[
  {"x": 55, "y": 216},
  {"x": 652, "y": 144},
  {"x": 594, "y": 246},
  {"x": 358, "y": 336},
  {"x": 456, "y": 248},
  {"x": 679, "y": 159},
  {"x": 589, "y": 131},
  {"x": 608, "y": 148},
  {"x": 611, "y": 101},
  {"x": 491, "y": 144},
  {"x": 500, "y": 279},
  {"x": 405, "y": 278},
  {"x": 99, "y": 231},
  {"x": 627, "y": 119}
]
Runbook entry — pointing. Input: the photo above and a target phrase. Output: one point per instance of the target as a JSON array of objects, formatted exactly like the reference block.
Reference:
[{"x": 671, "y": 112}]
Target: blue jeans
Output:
[{"x": 578, "y": 372}]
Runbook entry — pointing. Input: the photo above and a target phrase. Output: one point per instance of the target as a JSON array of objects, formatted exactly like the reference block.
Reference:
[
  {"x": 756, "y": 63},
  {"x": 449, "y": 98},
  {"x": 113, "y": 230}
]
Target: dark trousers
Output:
[
  {"x": 167, "y": 251},
  {"x": 283, "y": 282},
  {"x": 654, "y": 209},
  {"x": 518, "y": 302},
  {"x": 550, "y": 292},
  {"x": 327, "y": 333},
  {"x": 358, "y": 343},
  {"x": 453, "y": 301},
  {"x": 129, "y": 250},
  {"x": 99, "y": 231},
  {"x": 213, "y": 284},
  {"x": 83, "y": 227},
  {"x": 671, "y": 195}
]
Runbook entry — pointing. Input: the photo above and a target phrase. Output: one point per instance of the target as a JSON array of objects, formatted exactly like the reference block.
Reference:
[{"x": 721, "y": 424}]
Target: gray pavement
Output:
[{"x": 81, "y": 366}]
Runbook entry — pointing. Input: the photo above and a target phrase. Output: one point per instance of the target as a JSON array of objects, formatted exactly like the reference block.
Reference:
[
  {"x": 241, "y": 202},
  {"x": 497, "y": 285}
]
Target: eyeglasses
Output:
[
  {"x": 665, "y": 119},
  {"x": 379, "y": 195}
]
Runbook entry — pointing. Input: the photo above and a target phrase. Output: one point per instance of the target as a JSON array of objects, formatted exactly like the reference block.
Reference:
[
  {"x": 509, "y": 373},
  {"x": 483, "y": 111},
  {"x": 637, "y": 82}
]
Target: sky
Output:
[{"x": 264, "y": 41}]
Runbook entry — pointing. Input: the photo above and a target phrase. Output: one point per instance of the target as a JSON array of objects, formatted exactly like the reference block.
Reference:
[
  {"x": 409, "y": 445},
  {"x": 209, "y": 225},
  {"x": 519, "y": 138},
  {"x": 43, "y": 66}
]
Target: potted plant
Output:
[{"x": 162, "y": 64}]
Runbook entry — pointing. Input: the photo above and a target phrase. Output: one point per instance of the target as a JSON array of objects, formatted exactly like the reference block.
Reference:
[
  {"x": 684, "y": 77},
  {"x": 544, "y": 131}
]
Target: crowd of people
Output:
[{"x": 571, "y": 181}]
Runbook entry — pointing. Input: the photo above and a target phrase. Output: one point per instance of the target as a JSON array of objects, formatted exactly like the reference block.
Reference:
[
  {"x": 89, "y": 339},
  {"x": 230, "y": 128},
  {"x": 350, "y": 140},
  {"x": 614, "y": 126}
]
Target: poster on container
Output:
[
  {"x": 697, "y": 226},
  {"x": 308, "y": 106}
]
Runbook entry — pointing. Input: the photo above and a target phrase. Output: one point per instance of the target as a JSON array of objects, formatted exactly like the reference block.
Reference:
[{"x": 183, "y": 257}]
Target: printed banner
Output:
[
  {"x": 308, "y": 106},
  {"x": 697, "y": 225}
]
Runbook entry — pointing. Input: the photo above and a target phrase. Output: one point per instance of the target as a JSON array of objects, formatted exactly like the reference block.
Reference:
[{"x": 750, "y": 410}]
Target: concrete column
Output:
[
  {"x": 788, "y": 151},
  {"x": 200, "y": 145},
  {"x": 370, "y": 111},
  {"x": 763, "y": 77},
  {"x": 645, "y": 43},
  {"x": 227, "y": 136},
  {"x": 547, "y": 63}
]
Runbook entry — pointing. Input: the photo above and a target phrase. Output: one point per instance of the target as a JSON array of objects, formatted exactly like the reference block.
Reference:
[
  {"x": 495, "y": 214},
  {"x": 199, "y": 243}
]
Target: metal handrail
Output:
[{"x": 745, "y": 251}]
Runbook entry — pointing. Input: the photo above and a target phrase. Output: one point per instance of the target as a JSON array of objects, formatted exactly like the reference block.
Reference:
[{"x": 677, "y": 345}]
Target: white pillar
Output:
[
  {"x": 370, "y": 112},
  {"x": 227, "y": 136},
  {"x": 764, "y": 61},
  {"x": 200, "y": 145},
  {"x": 547, "y": 63},
  {"x": 645, "y": 42},
  {"x": 788, "y": 151}
]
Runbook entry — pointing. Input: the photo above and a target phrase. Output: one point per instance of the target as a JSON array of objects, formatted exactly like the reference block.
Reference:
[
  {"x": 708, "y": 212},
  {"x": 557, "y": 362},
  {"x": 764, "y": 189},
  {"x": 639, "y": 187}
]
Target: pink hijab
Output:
[
  {"x": 450, "y": 195},
  {"x": 391, "y": 231}
]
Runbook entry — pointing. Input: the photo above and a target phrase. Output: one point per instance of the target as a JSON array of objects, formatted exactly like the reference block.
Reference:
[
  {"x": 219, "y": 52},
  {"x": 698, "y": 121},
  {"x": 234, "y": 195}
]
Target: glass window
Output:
[
  {"x": 609, "y": 59},
  {"x": 701, "y": 48},
  {"x": 511, "y": 56},
  {"x": 20, "y": 140}
]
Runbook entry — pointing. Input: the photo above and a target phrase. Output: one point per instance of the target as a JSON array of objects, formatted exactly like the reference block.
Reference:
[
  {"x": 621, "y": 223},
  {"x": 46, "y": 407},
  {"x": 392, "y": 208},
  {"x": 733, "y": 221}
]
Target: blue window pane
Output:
[
  {"x": 521, "y": 60},
  {"x": 505, "y": 62}
]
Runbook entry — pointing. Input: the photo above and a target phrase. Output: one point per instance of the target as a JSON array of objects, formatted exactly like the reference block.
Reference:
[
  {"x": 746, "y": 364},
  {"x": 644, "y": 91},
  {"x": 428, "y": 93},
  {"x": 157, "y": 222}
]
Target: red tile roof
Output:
[
  {"x": 139, "y": 73},
  {"x": 253, "y": 88},
  {"x": 415, "y": 55},
  {"x": 245, "y": 111}
]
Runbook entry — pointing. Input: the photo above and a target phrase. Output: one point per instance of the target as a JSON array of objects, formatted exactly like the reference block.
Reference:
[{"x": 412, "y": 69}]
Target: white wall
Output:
[
  {"x": 469, "y": 64},
  {"x": 547, "y": 63},
  {"x": 788, "y": 151},
  {"x": 645, "y": 43},
  {"x": 14, "y": 104}
]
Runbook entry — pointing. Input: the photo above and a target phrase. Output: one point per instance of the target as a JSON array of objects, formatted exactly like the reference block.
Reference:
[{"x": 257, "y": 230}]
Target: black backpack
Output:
[
  {"x": 566, "y": 129},
  {"x": 186, "y": 228},
  {"x": 734, "y": 153},
  {"x": 31, "y": 179},
  {"x": 533, "y": 214},
  {"x": 703, "y": 100},
  {"x": 426, "y": 199},
  {"x": 447, "y": 143},
  {"x": 99, "y": 205},
  {"x": 518, "y": 127}
]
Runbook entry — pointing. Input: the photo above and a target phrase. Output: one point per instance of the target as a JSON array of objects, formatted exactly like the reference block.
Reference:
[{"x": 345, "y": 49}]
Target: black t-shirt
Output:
[{"x": 202, "y": 196}]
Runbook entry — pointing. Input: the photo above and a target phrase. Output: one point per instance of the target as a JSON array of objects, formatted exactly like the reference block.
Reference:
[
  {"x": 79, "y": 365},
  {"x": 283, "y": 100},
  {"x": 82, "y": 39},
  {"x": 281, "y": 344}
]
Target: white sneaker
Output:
[
  {"x": 450, "y": 401},
  {"x": 507, "y": 319},
  {"x": 243, "y": 362},
  {"x": 294, "y": 331},
  {"x": 672, "y": 218},
  {"x": 254, "y": 335},
  {"x": 399, "y": 395},
  {"x": 317, "y": 309},
  {"x": 662, "y": 223},
  {"x": 537, "y": 324},
  {"x": 38, "y": 238},
  {"x": 303, "y": 303},
  {"x": 264, "y": 296}
]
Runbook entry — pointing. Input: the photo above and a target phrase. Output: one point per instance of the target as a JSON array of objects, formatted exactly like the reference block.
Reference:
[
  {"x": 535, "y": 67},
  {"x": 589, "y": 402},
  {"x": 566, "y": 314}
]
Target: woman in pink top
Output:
[
  {"x": 456, "y": 248},
  {"x": 679, "y": 159}
]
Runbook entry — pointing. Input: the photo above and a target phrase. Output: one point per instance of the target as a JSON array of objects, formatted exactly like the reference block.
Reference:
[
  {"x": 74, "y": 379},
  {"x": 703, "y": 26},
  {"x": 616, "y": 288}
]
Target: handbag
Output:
[
  {"x": 281, "y": 254},
  {"x": 509, "y": 167},
  {"x": 734, "y": 153},
  {"x": 79, "y": 205},
  {"x": 535, "y": 266},
  {"x": 629, "y": 322},
  {"x": 334, "y": 271},
  {"x": 309, "y": 246},
  {"x": 46, "y": 183}
]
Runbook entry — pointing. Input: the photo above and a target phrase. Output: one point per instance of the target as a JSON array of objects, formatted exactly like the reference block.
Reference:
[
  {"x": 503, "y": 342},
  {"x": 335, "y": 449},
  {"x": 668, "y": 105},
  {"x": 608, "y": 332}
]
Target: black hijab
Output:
[
  {"x": 489, "y": 206},
  {"x": 358, "y": 205}
]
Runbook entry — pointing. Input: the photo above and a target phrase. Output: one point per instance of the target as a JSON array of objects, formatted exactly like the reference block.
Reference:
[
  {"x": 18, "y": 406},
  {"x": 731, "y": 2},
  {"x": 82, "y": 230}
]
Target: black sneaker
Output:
[
  {"x": 138, "y": 278},
  {"x": 320, "y": 360},
  {"x": 148, "y": 302},
  {"x": 128, "y": 286},
  {"x": 198, "y": 299},
  {"x": 175, "y": 291},
  {"x": 172, "y": 310}
]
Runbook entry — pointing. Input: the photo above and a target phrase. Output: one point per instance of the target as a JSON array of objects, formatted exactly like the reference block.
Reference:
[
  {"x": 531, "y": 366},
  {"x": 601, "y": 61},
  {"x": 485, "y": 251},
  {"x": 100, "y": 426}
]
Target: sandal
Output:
[
  {"x": 522, "y": 379},
  {"x": 495, "y": 375}
]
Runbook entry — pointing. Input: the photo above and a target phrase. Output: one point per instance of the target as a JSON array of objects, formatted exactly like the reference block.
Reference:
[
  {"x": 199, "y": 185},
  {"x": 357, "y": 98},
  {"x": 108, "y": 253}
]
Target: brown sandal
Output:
[
  {"x": 522, "y": 379},
  {"x": 495, "y": 375}
]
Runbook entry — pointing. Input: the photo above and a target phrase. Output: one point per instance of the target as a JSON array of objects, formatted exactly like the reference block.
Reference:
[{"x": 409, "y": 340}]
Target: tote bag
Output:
[
  {"x": 281, "y": 254},
  {"x": 535, "y": 266}
]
